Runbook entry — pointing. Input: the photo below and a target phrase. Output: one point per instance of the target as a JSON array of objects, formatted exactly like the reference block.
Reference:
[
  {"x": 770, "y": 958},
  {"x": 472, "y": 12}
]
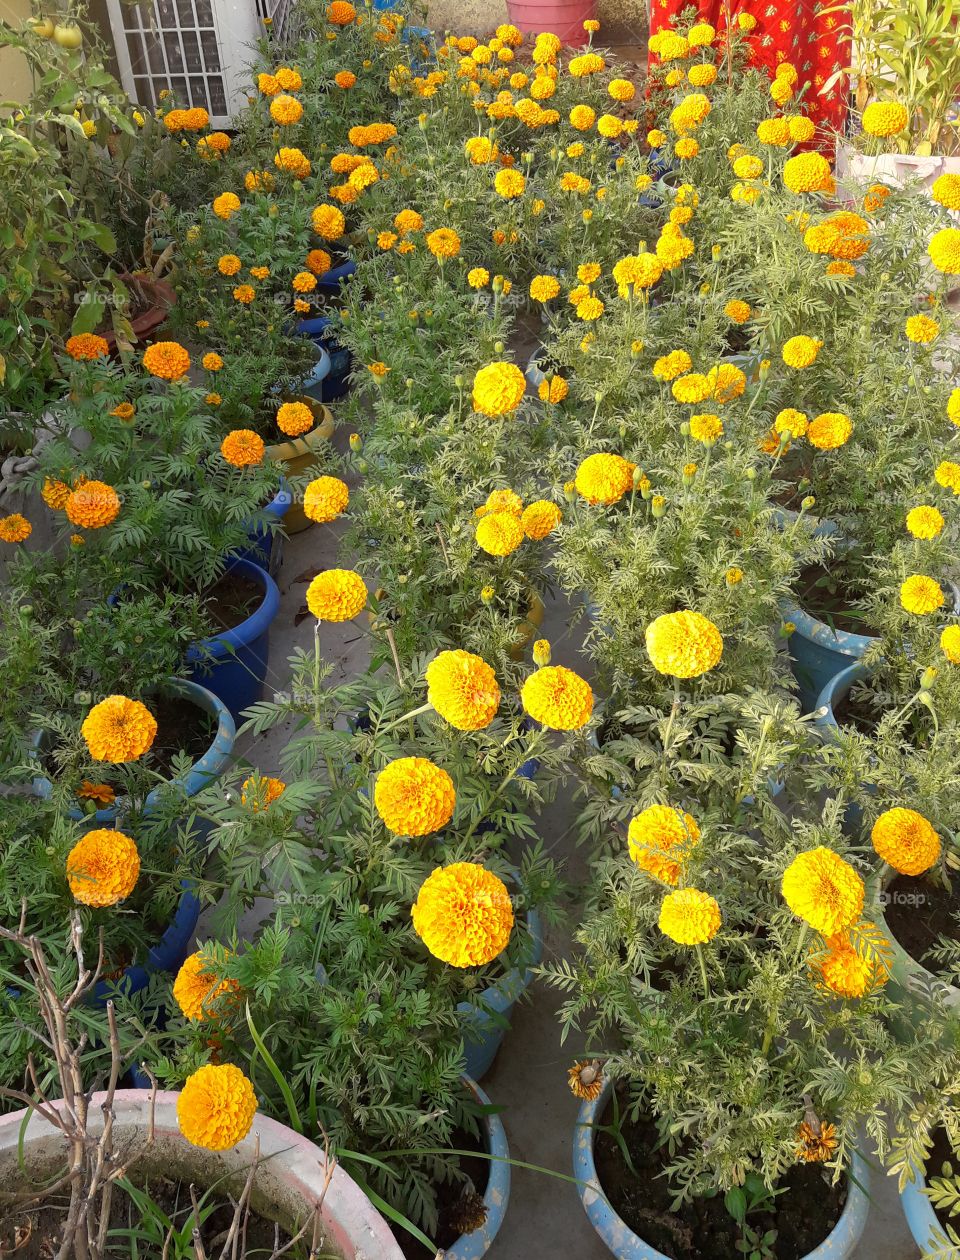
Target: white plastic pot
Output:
[{"x": 289, "y": 1183}]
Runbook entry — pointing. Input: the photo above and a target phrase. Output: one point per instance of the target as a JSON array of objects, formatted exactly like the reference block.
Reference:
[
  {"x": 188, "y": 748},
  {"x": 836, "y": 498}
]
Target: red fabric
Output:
[{"x": 787, "y": 30}]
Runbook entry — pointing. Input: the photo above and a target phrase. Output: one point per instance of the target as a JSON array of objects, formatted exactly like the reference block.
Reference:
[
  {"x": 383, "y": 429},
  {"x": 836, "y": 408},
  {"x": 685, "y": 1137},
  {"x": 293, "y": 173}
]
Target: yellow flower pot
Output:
[
  {"x": 298, "y": 454},
  {"x": 528, "y": 627}
]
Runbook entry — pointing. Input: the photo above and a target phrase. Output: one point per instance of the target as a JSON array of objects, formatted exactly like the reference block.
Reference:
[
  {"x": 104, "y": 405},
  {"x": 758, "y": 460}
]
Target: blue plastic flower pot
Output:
[
  {"x": 485, "y": 1025},
  {"x": 204, "y": 771},
  {"x": 266, "y": 543},
  {"x": 166, "y": 956},
  {"x": 233, "y": 664},
  {"x": 624, "y": 1244},
  {"x": 818, "y": 652},
  {"x": 497, "y": 1194},
  {"x": 336, "y": 382},
  {"x": 918, "y": 1210}
]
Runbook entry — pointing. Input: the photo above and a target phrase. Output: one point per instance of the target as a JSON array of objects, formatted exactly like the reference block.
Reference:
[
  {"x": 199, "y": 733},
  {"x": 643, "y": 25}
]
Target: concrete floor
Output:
[{"x": 545, "y": 1219}]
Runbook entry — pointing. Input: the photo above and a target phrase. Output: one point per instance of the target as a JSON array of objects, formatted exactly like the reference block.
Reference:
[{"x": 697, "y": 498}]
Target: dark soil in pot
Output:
[
  {"x": 919, "y": 912},
  {"x": 803, "y": 1215},
  {"x": 831, "y": 595},
  {"x": 231, "y": 600},
  {"x": 181, "y": 727},
  {"x": 36, "y": 1234},
  {"x": 458, "y": 1202}
]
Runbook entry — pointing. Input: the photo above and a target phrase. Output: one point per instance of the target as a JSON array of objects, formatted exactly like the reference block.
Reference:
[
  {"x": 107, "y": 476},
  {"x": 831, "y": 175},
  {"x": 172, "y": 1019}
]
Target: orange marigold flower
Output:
[
  {"x": 660, "y": 839},
  {"x": 198, "y": 991},
  {"x": 336, "y": 595},
  {"x": 906, "y": 841},
  {"x": 225, "y": 205},
  {"x": 294, "y": 418},
  {"x": 540, "y": 518},
  {"x": 103, "y": 868},
  {"x": 55, "y": 494},
  {"x": 212, "y": 362},
  {"x": 463, "y": 689},
  {"x": 102, "y": 794},
  {"x": 557, "y": 698},
  {"x": 463, "y": 914},
  {"x": 167, "y": 360},
  {"x": 257, "y": 792},
  {"x": 118, "y": 730},
  {"x": 87, "y": 346},
  {"x": 319, "y": 262},
  {"x": 124, "y": 411},
  {"x": 341, "y": 13},
  {"x": 325, "y": 499},
  {"x": 15, "y": 528},
  {"x": 345, "y": 79},
  {"x": 228, "y": 264},
  {"x": 328, "y": 222},
  {"x": 414, "y": 797},
  {"x": 217, "y": 1104},
  {"x": 92, "y": 505},
  {"x": 285, "y": 110},
  {"x": 244, "y": 294},
  {"x": 443, "y": 243},
  {"x": 242, "y": 448},
  {"x": 823, "y": 890}
]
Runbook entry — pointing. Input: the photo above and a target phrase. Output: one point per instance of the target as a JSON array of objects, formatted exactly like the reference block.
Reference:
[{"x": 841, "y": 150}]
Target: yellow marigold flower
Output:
[
  {"x": 336, "y": 595},
  {"x": 673, "y": 47},
  {"x": 414, "y": 797},
  {"x": 921, "y": 595},
  {"x": 244, "y": 294},
  {"x": 55, "y": 494},
  {"x": 748, "y": 167},
  {"x": 217, "y": 1104},
  {"x": 92, "y": 505},
  {"x": 953, "y": 407},
  {"x": 781, "y": 91},
  {"x": 124, "y": 411},
  {"x": 294, "y": 161},
  {"x": 922, "y": 329},
  {"x": 87, "y": 346},
  {"x": 906, "y": 841},
  {"x": 807, "y": 172},
  {"x": 199, "y": 993},
  {"x": 557, "y": 698},
  {"x": 328, "y": 222},
  {"x": 257, "y": 181},
  {"x": 686, "y": 147},
  {"x": 15, "y": 528},
  {"x": 285, "y": 110},
  {"x": 944, "y": 251},
  {"x": 102, "y": 794},
  {"x": 621, "y": 90},
  {"x": 660, "y": 838},
  {"x": 212, "y": 362},
  {"x": 589, "y": 308},
  {"x": 689, "y": 916},
  {"x": 212, "y": 400},
  {"x": 701, "y": 35},
  {"x": 325, "y": 499},
  {"x": 304, "y": 282},
  {"x": 294, "y": 418},
  {"x": 604, "y": 478},
  {"x": 737, "y": 311},
  {"x": 801, "y": 129},
  {"x": 167, "y": 360},
  {"x": 544, "y": 288},
  {"x": 589, "y": 272},
  {"x": 885, "y": 118},
  {"x": 103, "y": 868},
  {"x": 775, "y": 132},
  {"x": 463, "y": 914},
  {"x": 463, "y": 689},
  {"x": 585, "y": 64},
  {"x": 443, "y": 243},
  {"x": 702, "y": 75},
  {"x": 950, "y": 644},
  {"x": 242, "y": 448},
  {"x": 692, "y": 388},
  {"x": 829, "y": 430},
  {"x": 498, "y": 389},
  {"x": 925, "y": 522},
  {"x": 502, "y": 501},
  {"x": 673, "y": 249},
  {"x": 570, "y": 181},
  {"x": 684, "y": 644},
  {"x": 823, "y": 890},
  {"x": 946, "y": 191},
  {"x": 669, "y": 366},
  {"x": 790, "y": 423},
  {"x": 260, "y": 791},
  {"x": 478, "y": 277},
  {"x": 268, "y": 84},
  {"x": 378, "y": 369},
  {"x": 582, "y": 117},
  {"x": 609, "y": 126},
  {"x": 841, "y": 269},
  {"x": 499, "y": 533},
  {"x": 641, "y": 271},
  {"x": 509, "y": 183},
  {"x": 260, "y": 273},
  {"x": 225, "y": 205},
  {"x": 706, "y": 428},
  {"x": 746, "y": 21},
  {"x": 656, "y": 138},
  {"x": 118, "y": 730},
  {"x": 541, "y": 517},
  {"x": 553, "y": 390},
  {"x": 801, "y": 352},
  {"x": 947, "y": 474}
]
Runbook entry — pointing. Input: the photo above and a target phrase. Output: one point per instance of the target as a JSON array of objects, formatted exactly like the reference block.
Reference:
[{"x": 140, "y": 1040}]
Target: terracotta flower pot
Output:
[
  {"x": 157, "y": 295},
  {"x": 290, "y": 1182}
]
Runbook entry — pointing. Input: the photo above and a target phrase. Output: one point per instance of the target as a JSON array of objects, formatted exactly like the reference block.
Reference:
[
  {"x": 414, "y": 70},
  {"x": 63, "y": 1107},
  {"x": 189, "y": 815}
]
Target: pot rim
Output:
[
  {"x": 218, "y": 646},
  {"x": 497, "y": 1194},
  {"x": 839, "y": 1243}
]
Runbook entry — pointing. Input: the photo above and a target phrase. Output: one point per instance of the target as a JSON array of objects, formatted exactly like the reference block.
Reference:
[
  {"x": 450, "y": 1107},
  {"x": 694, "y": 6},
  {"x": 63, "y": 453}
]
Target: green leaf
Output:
[
  {"x": 105, "y": 238},
  {"x": 89, "y": 315}
]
